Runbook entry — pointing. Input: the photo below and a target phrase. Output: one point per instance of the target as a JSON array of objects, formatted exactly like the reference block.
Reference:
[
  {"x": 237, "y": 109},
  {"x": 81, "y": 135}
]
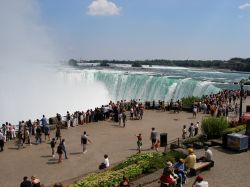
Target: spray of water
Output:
[{"x": 30, "y": 84}]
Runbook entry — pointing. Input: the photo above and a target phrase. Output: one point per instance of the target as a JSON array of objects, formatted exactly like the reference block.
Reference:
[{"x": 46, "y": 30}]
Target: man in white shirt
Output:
[
  {"x": 208, "y": 154},
  {"x": 208, "y": 157}
]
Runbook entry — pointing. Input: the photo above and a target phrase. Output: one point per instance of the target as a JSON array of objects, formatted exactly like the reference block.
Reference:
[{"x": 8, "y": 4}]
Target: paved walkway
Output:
[{"x": 108, "y": 138}]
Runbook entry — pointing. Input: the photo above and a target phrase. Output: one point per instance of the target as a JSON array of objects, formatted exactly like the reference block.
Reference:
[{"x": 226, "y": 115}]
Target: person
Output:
[
  {"x": 190, "y": 161},
  {"x": 168, "y": 168},
  {"x": 184, "y": 132},
  {"x": 131, "y": 113},
  {"x": 64, "y": 148},
  {"x": 120, "y": 118},
  {"x": 153, "y": 137},
  {"x": 58, "y": 184},
  {"x": 35, "y": 181},
  {"x": 194, "y": 111},
  {"x": 124, "y": 118},
  {"x": 68, "y": 118},
  {"x": 52, "y": 145},
  {"x": 179, "y": 168},
  {"x": 104, "y": 164},
  {"x": 199, "y": 182},
  {"x": 44, "y": 122},
  {"x": 157, "y": 145},
  {"x": 59, "y": 152},
  {"x": 208, "y": 157},
  {"x": 196, "y": 128},
  {"x": 46, "y": 132},
  {"x": 167, "y": 179},
  {"x": 84, "y": 141},
  {"x": 58, "y": 132},
  {"x": 139, "y": 142},
  {"x": 28, "y": 135},
  {"x": 1, "y": 140},
  {"x": 125, "y": 182},
  {"x": 26, "y": 182},
  {"x": 38, "y": 134},
  {"x": 20, "y": 139},
  {"x": 191, "y": 130}
]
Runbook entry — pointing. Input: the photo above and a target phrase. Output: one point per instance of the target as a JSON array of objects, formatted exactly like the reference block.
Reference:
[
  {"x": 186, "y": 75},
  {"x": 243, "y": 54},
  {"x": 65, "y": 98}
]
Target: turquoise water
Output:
[{"x": 159, "y": 83}]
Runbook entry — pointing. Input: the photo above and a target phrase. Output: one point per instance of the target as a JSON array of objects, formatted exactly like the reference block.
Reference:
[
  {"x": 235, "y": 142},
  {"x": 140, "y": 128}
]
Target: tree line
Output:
[{"x": 234, "y": 64}]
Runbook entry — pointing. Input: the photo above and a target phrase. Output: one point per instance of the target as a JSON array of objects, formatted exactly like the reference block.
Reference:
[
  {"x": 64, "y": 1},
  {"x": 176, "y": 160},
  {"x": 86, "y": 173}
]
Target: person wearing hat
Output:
[
  {"x": 190, "y": 161},
  {"x": 199, "y": 182},
  {"x": 168, "y": 168}
]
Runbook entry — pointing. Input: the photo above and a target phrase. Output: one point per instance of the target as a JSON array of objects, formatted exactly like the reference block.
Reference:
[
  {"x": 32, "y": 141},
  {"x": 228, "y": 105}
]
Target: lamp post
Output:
[{"x": 241, "y": 96}]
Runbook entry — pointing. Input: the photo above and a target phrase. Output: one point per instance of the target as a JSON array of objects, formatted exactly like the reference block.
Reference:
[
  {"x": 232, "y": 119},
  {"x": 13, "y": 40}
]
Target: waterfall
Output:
[{"x": 145, "y": 86}]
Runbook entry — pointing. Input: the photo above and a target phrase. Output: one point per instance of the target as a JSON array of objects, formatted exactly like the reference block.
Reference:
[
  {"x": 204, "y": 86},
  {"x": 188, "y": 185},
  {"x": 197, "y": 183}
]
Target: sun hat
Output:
[
  {"x": 169, "y": 164},
  {"x": 190, "y": 151}
]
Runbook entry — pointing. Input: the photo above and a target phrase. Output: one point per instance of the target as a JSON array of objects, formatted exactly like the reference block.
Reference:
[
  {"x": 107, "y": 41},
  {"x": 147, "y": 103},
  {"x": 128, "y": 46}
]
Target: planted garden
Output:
[{"x": 132, "y": 168}]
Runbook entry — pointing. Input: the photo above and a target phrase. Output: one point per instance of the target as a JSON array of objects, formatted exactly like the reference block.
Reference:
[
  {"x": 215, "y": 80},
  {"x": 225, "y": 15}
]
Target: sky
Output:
[{"x": 145, "y": 29}]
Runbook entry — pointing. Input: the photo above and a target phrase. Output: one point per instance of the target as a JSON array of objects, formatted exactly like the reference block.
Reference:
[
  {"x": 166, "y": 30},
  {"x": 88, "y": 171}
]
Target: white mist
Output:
[{"x": 31, "y": 83}]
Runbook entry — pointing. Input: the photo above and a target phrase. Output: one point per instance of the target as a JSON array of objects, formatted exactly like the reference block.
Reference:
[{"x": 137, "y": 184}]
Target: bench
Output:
[{"x": 200, "y": 166}]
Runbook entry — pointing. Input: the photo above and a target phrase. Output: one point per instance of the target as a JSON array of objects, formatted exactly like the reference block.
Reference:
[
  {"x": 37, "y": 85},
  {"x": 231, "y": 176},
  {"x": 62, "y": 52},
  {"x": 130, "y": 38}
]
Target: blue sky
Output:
[{"x": 149, "y": 29}]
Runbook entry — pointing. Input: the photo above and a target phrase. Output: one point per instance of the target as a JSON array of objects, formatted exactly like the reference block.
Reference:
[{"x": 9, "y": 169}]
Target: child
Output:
[
  {"x": 104, "y": 164},
  {"x": 52, "y": 145},
  {"x": 139, "y": 142},
  {"x": 157, "y": 145},
  {"x": 184, "y": 132}
]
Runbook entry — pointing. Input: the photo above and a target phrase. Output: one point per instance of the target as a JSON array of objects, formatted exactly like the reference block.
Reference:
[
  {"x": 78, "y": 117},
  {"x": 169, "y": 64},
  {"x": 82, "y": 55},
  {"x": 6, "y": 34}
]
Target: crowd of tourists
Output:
[
  {"x": 26, "y": 129},
  {"x": 219, "y": 104}
]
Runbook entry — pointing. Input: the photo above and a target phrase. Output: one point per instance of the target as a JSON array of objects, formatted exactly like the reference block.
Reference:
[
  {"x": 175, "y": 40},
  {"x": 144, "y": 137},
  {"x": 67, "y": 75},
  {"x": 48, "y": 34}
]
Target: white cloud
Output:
[
  {"x": 244, "y": 6},
  {"x": 103, "y": 8}
]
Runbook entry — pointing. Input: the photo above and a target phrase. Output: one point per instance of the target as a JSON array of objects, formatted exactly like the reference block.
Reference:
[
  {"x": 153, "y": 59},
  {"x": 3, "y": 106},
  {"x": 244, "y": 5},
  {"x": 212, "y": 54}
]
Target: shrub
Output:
[
  {"x": 213, "y": 127},
  {"x": 189, "y": 101},
  {"x": 234, "y": 130},
  {"x": 194, "y": 139},
  {"x": 136, "y": 64}
]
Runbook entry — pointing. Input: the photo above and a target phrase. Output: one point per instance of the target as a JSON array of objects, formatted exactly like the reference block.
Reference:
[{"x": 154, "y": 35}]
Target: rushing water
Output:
[{"x": 61, "y": 88}]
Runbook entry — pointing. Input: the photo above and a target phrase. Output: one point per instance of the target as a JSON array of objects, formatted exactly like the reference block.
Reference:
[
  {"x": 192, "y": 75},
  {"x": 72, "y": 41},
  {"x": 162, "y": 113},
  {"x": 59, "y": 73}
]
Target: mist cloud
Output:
[{"x": 32, "y": 80}]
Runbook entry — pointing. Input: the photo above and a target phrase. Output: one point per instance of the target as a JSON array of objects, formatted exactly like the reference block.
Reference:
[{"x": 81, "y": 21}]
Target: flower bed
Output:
[{"x": 132, "y": 168}]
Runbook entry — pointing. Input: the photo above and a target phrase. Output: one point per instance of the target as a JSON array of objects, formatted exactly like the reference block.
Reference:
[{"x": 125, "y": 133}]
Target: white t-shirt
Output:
[
  {"x": 201, "y": 184},
  {"x": 106, "y": 162}
]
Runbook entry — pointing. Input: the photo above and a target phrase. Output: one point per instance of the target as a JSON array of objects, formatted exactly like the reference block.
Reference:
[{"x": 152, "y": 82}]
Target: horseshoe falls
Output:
[
  {"x": 160, "y": 83},
  {"x": 149, "y": 87}
]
